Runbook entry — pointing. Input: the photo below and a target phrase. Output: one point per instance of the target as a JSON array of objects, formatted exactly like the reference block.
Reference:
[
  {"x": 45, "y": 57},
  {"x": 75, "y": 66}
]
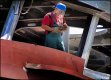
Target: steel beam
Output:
[
  {"x": 90, "y": 38},
  {"x": 86, "y": 51},
  {"x": 84, "y": 36},
  {"x": 12, "y": 19}
]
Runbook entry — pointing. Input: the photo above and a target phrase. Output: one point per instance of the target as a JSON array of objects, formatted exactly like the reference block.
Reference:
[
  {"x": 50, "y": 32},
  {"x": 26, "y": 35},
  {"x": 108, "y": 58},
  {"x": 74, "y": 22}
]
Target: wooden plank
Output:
[
  {"x": 41, "y": 6},
  {"x": 32, "y": 20},
  {"x": 36, "y": 7},
  {"x": 67, "y": 18}
]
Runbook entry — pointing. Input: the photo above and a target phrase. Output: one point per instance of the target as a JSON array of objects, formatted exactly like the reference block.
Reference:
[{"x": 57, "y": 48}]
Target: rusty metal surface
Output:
[{"x": 15, "y": 55}]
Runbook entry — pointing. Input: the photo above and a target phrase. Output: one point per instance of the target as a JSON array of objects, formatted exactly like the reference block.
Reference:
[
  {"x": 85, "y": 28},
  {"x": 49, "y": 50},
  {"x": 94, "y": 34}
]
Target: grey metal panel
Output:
[
  {"x": 100, "y": 4},
  {"x": 65, "y": 38}
]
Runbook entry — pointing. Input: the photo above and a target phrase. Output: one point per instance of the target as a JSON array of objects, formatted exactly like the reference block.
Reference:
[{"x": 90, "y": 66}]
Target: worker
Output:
[{"x": 54, "y": 25}]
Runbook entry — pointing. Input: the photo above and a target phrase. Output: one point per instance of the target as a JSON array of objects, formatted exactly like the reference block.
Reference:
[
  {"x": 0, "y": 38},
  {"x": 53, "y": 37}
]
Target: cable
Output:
[{"x": 28, "y": 8}]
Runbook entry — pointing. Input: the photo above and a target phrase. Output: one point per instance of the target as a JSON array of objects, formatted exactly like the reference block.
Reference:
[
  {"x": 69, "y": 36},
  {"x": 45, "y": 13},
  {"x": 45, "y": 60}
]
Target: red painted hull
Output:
[{"x": 15, "y": 55}]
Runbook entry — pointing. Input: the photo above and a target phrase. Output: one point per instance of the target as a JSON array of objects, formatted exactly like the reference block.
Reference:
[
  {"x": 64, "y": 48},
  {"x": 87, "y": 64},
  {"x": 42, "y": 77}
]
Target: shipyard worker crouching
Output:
[{"x": 54, "y": 25}]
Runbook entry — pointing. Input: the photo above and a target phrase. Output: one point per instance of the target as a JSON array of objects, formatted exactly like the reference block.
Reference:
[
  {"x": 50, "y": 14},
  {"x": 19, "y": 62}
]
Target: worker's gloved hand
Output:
[
  {"x": 56, "y": 30},
  {"x": 63, "y": 27}
]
